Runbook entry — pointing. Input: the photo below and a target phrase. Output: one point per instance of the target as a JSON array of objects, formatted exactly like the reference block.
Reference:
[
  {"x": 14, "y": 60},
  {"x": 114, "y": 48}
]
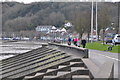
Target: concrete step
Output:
[
  {"x": 54, "y": 67},
  {"x": 37, "y": 74},
  {"x": 21, "y": 58},
  {"x": 76, "y": 59},
  {"x": 79, "y": 71},
  {"x": 48, "y": 77},
  {"x": 30, "y": 59},
  {"x": 60, "y": 68},
  {"x": 32, "y": 66},
  {"x": 24, "y": 54},
  {"x": 80, "y": 77},
  {"x": 35, "y": 68},
  {"x": 77, "y": 64},
  {"x": 18, "y": 57},
  {"x": 62, "y": 73},
  {"x": 32, "y": 62},
  {"x": 51, "y": 72},
  {"x": 66, "y": 63},
  {"x": 55, "y": 73},
  {"x": 56, "y": 64}
]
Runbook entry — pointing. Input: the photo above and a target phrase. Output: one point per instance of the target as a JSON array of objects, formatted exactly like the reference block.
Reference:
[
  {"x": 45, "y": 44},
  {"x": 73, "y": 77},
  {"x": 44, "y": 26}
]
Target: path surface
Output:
[{"x": 99, "y": 57}]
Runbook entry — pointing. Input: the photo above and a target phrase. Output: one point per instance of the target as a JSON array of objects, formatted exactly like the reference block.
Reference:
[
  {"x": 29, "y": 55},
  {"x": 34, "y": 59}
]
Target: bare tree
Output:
[
  {"x": 82, "y": 23},
  {"x": 103, "y": 19}
]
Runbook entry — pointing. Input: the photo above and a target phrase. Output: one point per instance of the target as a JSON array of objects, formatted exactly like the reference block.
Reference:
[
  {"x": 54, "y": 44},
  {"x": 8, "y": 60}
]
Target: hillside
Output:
[{"x": 19, "y": 16}]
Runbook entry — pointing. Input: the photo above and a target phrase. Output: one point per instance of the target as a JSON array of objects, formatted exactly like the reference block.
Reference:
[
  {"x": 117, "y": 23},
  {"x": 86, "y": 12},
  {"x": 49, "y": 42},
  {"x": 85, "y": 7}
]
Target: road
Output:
[{"x": 99, "y": 57}]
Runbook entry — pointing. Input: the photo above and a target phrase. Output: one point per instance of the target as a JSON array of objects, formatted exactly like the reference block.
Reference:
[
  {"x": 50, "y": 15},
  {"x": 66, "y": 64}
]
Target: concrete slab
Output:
[
  {"x": 91, "y": 66},
  {"x": 50, "y": 70},
  {"x": 62, "y": 73},
  {"x": 38, "y": 74},
  {"x": 61, "y": 66},
  {"x": 77, "y": 68},
  {"x": 71, "y": 63},
  {"x": 74, "y": 77}
]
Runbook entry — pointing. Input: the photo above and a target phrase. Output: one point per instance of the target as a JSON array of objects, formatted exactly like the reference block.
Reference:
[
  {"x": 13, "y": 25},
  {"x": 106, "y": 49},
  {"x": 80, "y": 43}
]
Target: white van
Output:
[{"x": 116, "y": 39}]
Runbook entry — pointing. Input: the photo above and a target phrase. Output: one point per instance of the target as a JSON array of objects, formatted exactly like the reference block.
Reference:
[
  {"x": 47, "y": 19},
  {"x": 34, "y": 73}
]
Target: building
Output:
[
  {"x": 68, "y": 24},
  {"x": 45, "y": 31},
  {"x": 44, "y": 28}
]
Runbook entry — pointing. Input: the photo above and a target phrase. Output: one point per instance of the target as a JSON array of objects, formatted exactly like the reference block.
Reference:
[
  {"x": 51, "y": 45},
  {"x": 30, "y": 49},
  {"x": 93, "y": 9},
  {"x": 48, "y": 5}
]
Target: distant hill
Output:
[{"x": 19, "y": 16}]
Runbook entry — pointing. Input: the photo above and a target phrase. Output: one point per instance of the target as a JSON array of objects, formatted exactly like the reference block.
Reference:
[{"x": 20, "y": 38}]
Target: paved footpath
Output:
[{"x": 99, "y": 57}]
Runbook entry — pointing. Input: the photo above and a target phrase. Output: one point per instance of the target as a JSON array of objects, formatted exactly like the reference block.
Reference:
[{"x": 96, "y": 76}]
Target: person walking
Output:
[
  {"x": 75, "y": 41},
  {"x": 83, "y": 42},
  {"x": 69, "y": 41},
  {"x": 78, "y": 42}
]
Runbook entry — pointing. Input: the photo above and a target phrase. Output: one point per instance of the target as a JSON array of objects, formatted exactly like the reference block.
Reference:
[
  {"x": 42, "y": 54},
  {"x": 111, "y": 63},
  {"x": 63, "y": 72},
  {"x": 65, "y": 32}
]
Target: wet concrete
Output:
[{"x": 9, "y": 49}]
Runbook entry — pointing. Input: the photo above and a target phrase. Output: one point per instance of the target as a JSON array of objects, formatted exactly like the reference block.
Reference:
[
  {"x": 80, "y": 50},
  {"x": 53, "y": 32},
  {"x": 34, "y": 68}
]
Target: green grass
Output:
[{"x": 101, "y": 47}]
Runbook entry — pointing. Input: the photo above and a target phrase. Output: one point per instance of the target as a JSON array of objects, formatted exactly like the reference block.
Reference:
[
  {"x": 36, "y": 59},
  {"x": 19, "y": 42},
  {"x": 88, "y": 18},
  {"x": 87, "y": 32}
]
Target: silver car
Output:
[{"x": 116, "y": 39}]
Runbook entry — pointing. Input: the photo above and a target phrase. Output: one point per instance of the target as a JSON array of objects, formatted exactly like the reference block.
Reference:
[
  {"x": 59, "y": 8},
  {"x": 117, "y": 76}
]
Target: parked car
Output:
[
  {"x": 94, "y": 38},
  {"x": 6, "y": 38},
  {"x": 109, "y": 37},
  {"x": 16, "y": 38},
  {"x": 116, "y": 39},
  {"x": 25, "y": 38}
]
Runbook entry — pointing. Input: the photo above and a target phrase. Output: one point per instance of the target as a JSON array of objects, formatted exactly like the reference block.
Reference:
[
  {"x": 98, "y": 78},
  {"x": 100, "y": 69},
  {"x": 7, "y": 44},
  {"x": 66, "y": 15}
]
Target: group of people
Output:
[{"x": 77, "y": 41}]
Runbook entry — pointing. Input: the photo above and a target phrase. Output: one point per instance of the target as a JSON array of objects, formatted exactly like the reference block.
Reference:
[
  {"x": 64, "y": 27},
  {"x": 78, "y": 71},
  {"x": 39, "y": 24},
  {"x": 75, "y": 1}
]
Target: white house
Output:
[
  {"x": 68, "y": 24},
  {"x": 63, "y": 30},
  {"x": 44, "y": 28}
]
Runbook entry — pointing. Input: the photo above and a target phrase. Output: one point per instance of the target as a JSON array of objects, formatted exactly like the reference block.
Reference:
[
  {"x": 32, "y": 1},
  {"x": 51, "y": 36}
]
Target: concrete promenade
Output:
[{"x": 100, "y": 57}]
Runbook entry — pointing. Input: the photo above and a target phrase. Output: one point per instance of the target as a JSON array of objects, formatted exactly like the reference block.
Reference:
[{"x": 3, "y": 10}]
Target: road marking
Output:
[{"x": 109, "y": 57}]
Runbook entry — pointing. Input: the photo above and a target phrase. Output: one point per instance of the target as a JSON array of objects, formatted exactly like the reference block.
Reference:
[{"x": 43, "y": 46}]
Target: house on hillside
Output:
[
  {"x": 45, "y": 31},
  {"x": 68, "y": 24},
  {"x": 44, "y": 28}
]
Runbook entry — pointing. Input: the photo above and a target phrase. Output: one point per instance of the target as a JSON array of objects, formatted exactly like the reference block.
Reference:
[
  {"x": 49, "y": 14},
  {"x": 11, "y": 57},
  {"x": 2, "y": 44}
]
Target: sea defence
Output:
[
  {"x": 54, "y": 61},
  {"x": 105, "y": 71}
]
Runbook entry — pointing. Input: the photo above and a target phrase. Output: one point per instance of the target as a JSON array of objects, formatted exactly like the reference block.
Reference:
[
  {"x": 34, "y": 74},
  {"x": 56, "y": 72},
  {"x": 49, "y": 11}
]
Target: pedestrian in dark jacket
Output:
[
  {"x": 69, "y": 41},
  {"x": 83, "y": 42}
]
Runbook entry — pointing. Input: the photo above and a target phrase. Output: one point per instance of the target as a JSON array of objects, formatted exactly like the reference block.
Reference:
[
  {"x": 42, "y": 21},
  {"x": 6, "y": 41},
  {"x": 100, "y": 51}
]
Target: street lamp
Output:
[
  {"x": 96, "y": 23},
  {"x": 103, "y": 36},
  {"x": 119, "y": 17},
  {"x": 92, "y": 22}
]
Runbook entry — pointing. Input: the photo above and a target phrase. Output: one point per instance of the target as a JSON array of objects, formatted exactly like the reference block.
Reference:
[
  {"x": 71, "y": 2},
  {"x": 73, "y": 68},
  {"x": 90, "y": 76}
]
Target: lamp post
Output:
[
  {"x": 119, "y": 17},
  {"x": 103, "y": 36},
  {"x": 92, "y": 22},
  {"x": 96, "y": 23}
]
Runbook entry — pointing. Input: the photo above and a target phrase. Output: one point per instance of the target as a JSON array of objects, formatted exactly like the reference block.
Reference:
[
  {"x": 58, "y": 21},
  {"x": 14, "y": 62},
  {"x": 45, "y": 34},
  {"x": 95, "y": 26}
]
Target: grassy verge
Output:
[{"x": 101, "y": 47}]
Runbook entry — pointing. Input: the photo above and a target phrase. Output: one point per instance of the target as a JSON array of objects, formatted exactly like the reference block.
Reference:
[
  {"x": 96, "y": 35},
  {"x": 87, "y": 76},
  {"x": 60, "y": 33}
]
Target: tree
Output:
[
  {"x": 103, "y": 19},
  {"x": 56, "y": 19},
  {"x": 82, "y": 23}
]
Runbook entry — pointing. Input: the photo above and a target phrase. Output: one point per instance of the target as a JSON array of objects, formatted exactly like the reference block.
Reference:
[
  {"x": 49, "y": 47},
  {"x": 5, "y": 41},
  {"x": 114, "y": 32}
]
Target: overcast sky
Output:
[{"x": 29, "y": 1}]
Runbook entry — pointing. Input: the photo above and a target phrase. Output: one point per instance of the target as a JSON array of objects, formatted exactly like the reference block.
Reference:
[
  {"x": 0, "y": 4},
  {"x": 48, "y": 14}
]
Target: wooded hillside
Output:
[{"x": 19, "y": 16}]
